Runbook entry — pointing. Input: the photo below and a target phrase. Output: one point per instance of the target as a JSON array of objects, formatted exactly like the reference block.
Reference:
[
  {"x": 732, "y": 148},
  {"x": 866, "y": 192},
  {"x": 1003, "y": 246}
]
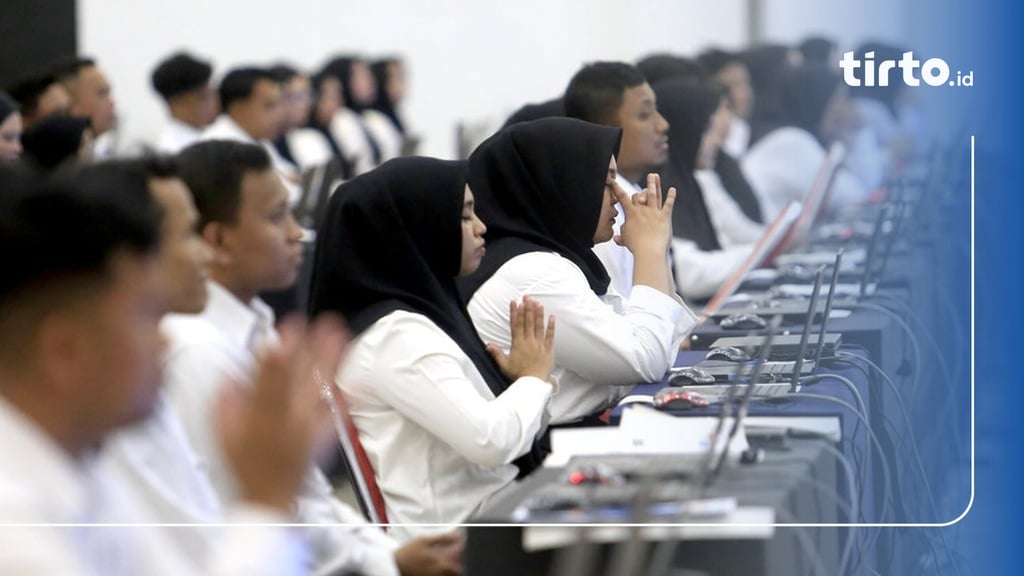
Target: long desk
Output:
[{"x": 779, "y": 489}]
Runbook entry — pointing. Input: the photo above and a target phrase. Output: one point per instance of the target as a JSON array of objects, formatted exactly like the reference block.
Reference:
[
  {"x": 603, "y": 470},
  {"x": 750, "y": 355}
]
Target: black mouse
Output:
[
  {"x": 675, "y": 398},
  {"x": 689, "y": 376},
  {"x": 729, "y": 353},
  {"x": 743, "y": 322}
]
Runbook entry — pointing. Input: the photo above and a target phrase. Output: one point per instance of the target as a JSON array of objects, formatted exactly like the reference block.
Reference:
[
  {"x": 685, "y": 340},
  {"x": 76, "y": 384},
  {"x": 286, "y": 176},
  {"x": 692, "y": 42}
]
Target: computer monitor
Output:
[{"x": 766, "y": 245}]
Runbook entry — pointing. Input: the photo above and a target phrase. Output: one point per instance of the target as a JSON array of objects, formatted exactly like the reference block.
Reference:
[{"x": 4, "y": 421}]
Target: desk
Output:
[{"x": 780, "y": 483}]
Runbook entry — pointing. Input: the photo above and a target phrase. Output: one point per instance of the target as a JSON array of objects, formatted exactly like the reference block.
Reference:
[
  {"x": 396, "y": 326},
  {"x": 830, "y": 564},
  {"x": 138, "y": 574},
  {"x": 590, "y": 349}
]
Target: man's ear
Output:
[{"x": 215, "y": 234}]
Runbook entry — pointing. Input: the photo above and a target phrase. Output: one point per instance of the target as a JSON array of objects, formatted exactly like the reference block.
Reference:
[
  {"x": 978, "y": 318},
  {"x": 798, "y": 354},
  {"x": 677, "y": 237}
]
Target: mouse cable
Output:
[
  {"x": 947, "y": 374},
  {"x": 948, "y": 405},
  {"x": 915, "y": 452},
  {"x": 817, "y": 563},
  {"x": 913, "y": 445},
  {"x": 860, "y": 405},
  {"x": 887, "y": 478},
  {"x": 918, "y": 359}
]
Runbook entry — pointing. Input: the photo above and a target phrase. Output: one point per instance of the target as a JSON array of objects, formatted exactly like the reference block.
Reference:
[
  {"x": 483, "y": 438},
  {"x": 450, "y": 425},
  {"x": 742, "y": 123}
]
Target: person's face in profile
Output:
[
  {"x": 184, "y": 257},
  {"x": 261, "y": 115},
  {"x": 298, "y": 101},
  {"x": 10, "y": 137},
  {"x": 328, "y": 100},
  {"x": 606, "y": 222},
  {"x": 92, "y": 97},
  {"x": 117, "y": 345},
  {"x": 736, "y": 80},
  {"x": 473, "y": 230},
  {"x": 202, "y": 105},
  {"x": 364, "y": 87},
  {"x": 396, "y": 82},
  {"x": 644, "y": 131},
  {"x": 261, "y": 248}
]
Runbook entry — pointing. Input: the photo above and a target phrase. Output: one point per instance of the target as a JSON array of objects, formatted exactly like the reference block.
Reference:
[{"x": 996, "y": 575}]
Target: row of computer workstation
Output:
[{"x": 822, "y": 405}]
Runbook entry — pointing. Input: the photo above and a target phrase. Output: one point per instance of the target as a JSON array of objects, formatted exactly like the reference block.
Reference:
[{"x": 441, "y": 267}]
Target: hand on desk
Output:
[{"x": 432, "y": 556}]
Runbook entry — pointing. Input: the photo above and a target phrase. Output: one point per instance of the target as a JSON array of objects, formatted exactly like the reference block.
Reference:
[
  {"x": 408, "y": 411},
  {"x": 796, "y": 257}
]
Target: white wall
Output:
[{"x": 469, "y": 59}]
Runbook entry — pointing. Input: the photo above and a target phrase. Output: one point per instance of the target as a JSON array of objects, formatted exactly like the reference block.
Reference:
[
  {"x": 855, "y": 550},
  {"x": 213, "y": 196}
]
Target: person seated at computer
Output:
[
  {"x": 442, "y": 420},
  {"x": 547, "y": 191},
  {"x": 783, "y": 164},
  {"x": 711, "y": 234}
]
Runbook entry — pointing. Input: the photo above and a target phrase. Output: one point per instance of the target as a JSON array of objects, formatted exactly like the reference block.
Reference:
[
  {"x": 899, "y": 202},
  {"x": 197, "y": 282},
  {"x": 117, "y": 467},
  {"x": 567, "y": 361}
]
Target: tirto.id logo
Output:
[{"x": 934, "y": 71}]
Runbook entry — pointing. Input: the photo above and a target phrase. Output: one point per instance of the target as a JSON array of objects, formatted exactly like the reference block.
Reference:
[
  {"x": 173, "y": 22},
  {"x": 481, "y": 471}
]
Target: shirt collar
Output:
[{"x": 242, "y": 324}]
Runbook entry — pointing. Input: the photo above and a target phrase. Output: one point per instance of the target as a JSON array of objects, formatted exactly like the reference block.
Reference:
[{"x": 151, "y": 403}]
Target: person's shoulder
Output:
[
  {"x": 192, "y": 334},
  {"x": 403, "y": 330}
]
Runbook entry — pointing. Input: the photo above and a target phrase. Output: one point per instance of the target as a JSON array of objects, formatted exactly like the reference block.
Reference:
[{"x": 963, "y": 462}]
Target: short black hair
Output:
[
  {"x": 659, "y": 67},
  {"x": 180, "y": 73},
  {"x": 595, "y": 92},
  {"x": 29, "y": 89},
  {"x": 239, "y": 83},
  {"x": 213, "y": 171},
  {"x": 283, "y": 73},
  {"x": 58, "y": 235},
  {"x": 714, "y": 60},
  {"x": 69, "y": 68}
]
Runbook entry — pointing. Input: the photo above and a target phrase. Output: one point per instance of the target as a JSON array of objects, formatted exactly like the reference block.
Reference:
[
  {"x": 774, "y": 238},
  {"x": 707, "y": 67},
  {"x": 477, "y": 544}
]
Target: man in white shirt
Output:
[
  {"x": 183, "y": 82},
  {"x": 244, "y": 216},
  {"x": 616, "y": 94},
  {"x": 251, "y": 102},
  {"x": 79, "y": 358},
  {"x": 92, "y": 98}
]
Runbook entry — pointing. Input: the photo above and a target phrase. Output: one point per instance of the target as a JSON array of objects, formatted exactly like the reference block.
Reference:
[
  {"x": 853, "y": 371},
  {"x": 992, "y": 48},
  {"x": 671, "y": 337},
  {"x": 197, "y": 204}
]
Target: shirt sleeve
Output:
[
  {"x": 428, "y": 381},
  {"x": 731, "y": 224},
  {"x": 700, "y": 273},
  {"x": 601, "y": 343}
]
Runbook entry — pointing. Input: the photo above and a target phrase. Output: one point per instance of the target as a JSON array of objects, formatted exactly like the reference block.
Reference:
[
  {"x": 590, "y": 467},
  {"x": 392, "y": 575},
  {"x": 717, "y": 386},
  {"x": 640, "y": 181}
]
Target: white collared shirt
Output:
[
  {"x": 439, "y": 441},
  {"x": 224, "y": 128},
  {"x": 205, "y": 352},
  {"x": 738, "y": 140},
  {"x": 348, "y": 130},
  {"x": 602, "y": 344},
  {"x": 781, "y": 168},
  {"x": 40, "y": 483},
  {"x": 177, "y": 136},
  {"x": 731, "y": 225}
]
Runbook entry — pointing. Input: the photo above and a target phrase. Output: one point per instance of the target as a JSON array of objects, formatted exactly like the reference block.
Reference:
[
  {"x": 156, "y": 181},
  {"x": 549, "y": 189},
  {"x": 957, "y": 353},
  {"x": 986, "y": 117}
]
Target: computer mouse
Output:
[
  {"x": 675, "y": 398},
  {"x": 729, "y": 353},
  {"x": 689, "y": 376},
  {"x": 743, "y": 322}
]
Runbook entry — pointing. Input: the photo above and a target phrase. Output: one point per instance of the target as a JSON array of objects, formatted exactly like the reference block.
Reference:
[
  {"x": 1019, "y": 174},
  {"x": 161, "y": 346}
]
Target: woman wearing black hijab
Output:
[
  {"x": 441, "y": 419},
  {"x": 359, "y": 91},
  {"x": 702, "y": 253},
  {"x": 782, "y": 166},
  {"x": 547, "y": 191}
]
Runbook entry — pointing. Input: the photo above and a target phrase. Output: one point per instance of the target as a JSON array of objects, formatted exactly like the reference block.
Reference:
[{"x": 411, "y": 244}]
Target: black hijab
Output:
[
  {"x": 381, "y": 71},
  {"x": 341, "y": 68},
  {"x": 688, "y": 108},
  {"x": 8, "y": 106},
  {"x": 54, "y": 141},
  {"x": 768, "y": 65},
  {"x": 539, "y": 187},
  {"x": 806, "y": 93},
  {"x": 735, "y": 183},
  {"x": 392, "y": 240}
]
